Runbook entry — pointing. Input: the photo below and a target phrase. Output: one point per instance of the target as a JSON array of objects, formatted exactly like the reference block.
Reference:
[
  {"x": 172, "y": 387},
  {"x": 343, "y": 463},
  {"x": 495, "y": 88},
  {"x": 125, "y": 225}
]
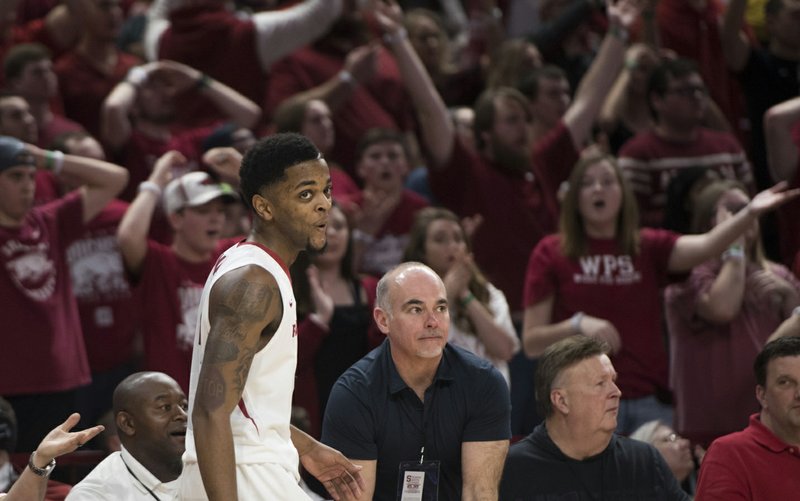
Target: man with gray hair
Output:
[
  {"x": 574, "y": 453},
  {"x": 421, "y": 416}
]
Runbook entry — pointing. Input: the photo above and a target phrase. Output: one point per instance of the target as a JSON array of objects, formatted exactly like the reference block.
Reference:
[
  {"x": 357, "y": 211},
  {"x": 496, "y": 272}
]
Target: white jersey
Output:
[{"x": 260, "y": 423}]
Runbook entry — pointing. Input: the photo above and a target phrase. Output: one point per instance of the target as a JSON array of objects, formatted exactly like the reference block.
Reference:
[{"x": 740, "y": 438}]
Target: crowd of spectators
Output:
[{"x": 604, "y": 170}]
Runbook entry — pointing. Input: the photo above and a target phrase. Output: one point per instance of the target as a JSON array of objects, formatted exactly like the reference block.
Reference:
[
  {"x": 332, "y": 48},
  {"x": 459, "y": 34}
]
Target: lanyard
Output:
[{"x": 140, "y": 482}]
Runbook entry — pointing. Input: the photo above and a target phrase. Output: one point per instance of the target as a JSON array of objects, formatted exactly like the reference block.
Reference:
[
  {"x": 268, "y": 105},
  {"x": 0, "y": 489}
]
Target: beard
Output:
[{"x": 510, "y": 159}]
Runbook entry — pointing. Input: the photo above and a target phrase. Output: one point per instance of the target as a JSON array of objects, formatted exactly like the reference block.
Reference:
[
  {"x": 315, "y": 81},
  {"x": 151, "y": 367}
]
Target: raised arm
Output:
[
  {"x": 280, "y": 32},
  {"x": 135, "y": 225},
  {"x": 60, "y": 441},
  {"x": 691, "y": 250},
  {"x": 115, "y": 121},
  {"x": 242, "y": 303},
  {"x": 359, "y": 68},
  {"x": 735, "y": 46},
  {"x": 438, "y": 133},
  {"x": 481, "y": 468},
  {"x": 99, "y": 181},
  {"x": 600, "y": 78},
  {"x": 782, "y": 151},
  {"x": 721, "y": 303}
]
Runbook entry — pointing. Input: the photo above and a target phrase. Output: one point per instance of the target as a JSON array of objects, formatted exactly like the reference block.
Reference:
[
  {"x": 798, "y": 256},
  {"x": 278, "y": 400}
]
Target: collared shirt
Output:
[
  {"x": 372, "y": 414},
  {"x": 111, "y": 480},
  {"x": 752, "y": 464}
]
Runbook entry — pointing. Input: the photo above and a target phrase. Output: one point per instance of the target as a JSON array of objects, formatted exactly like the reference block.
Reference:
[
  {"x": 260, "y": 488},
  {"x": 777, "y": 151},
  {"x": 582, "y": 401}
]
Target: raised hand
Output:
[
  {"x": 772, "y": 198},
  {"x": 225, "y": 161},
  {"x": 362, "y": 63},
  {"x": 62, "y": 441},
  {"x": 623, "y": 12},
  {"x": 164, "y": 167},
  {"x": 323, "y": 302}
]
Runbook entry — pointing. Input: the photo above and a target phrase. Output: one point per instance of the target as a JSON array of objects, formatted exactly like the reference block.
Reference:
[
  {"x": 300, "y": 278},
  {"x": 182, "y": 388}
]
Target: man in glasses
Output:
[{"x": 678, "y": 100}]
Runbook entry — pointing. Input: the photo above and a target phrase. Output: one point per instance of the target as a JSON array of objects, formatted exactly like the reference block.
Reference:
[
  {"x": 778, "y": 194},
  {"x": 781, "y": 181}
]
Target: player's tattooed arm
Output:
[{"x": 242, "y": 304}]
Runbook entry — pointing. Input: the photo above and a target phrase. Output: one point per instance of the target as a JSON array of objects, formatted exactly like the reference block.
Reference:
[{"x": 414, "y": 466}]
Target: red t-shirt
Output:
[
  {"x": 84, "y": 88},
  {"x": 52, "y": 130},
  {"x": 170, "y": 289},
  {"x": 212, "y": 39},
  {"x": 109, "y": 310},
  {"x": 620, "y": 288},
  {"x": 517, "y": 210},
  {"x": 43, "y": 349},
  {"x": 750, "y": 465},
  {"x": 650, "y": 163},
  {"x": 383, "y": 102},
  {"x": 696, "y": 35}
]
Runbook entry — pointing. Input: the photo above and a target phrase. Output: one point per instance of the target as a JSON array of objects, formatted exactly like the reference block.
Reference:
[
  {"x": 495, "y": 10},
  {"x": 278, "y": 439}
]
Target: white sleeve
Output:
[
  {"x": 280, "y": 32},
  {"x": 157, "y": 24},
  {"x": 498, "y": 305}
]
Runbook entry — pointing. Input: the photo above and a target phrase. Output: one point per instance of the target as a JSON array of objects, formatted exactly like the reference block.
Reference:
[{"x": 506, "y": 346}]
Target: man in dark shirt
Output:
[
  {"x": 574, "y": 454},
  {"x": 421, "y": 417}
]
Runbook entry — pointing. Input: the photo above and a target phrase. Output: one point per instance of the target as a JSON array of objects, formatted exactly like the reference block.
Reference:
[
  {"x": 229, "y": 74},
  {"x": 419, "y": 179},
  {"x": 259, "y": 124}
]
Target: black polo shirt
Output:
[{"x": 373, "y": 415}]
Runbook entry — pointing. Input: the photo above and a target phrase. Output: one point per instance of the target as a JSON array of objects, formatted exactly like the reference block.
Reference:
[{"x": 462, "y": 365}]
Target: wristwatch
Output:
[{"x": 42, "y": 472}]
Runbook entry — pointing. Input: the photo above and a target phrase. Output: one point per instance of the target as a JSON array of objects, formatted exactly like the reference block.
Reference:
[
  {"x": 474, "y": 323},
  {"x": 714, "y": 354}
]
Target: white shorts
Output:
[{"x": 254, "y": 482}]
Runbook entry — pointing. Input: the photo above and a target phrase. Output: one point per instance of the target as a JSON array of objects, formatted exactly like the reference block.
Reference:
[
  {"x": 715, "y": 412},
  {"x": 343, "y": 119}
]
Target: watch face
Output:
[{"x": 42, "y": 472}]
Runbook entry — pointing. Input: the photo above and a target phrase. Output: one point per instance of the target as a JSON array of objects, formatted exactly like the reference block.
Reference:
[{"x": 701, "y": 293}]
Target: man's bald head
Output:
[
  {"x": 136, "y": 389},
  {"x": 393, "y": 277}
]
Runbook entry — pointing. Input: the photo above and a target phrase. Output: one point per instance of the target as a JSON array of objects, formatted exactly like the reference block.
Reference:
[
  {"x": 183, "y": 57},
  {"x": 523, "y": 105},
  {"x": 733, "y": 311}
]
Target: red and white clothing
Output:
[
  {"x": 749, "y": 465},
  {"x": 41, "y": 327},
  {"x": 172, "y": 288},
  {"x": 232, "y": 48},
  {"x": 650, "y": 162},
  {"x": 386, "y": 251},
  {"x": 108, "y": 308},
  {"x": 260, "y": 423},
  {"x": 621, "y": 288},
  {"x": 518, "y": 210},
  {"x": 719, "y": 355},
  {"x": 84, "y": 87}
]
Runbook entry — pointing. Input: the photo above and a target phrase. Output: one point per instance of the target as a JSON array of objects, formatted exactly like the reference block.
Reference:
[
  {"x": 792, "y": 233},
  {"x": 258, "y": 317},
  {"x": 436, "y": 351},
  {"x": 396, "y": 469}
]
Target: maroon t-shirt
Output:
[
  {"x": 43, "y": 349},
  {"x": 518, "y": 210},
  {"x": 84, "y": 87},
  {"x": 617, "y": 287},
  {"x": 170, "y": 288},
  {"x": 56, "y": 127},
  {"x": 109, "y": 310},
  {"x": 212, "y": 39}
]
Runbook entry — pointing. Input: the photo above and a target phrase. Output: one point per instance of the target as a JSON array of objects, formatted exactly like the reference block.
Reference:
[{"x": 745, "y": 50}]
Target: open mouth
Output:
[{"x": 599, "y": 204}]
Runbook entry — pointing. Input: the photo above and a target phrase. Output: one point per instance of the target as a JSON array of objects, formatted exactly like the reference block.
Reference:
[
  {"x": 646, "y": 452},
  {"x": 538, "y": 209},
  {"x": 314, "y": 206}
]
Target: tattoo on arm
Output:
[
  {"x": 211, "y": 387},
  {"x": 248, "y": 301},
  {"x": 243, "y": 369}
]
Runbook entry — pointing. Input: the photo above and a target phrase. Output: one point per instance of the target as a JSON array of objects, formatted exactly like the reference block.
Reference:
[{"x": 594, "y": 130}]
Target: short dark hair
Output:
[
  {"x": 8, "y": 426},
  {"x": 485, "y": 108},
  {"x": 557, "y": 358},
  {"x": 266, "y": 162},
  {"x": 529, "y": 85},
  {"x": 781, "y": 347},
  {"x": 378, "y": 135},
  {"x": 658, "y": 83},
  {"x": 21, "y": 55},
  {"x": 290, "y": 114}
]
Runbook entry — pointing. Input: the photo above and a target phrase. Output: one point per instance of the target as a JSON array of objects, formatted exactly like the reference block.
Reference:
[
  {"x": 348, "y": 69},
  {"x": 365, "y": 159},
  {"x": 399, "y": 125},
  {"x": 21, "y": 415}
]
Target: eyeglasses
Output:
[
  {"x": 672, "y": 437},
  {"x": 689, "y": 91}
]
